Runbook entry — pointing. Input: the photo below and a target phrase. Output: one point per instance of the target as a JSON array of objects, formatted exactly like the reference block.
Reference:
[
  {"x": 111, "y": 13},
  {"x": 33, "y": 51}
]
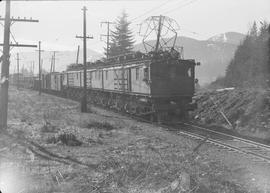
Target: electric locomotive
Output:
[{"x": 158, "y": 84}]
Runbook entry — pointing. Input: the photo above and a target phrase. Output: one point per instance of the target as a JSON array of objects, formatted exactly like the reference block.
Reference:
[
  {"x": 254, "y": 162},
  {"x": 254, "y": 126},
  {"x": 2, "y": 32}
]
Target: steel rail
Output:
[
  {"x": 226, "y": 146},
  {"x": 261, "y": 145}
]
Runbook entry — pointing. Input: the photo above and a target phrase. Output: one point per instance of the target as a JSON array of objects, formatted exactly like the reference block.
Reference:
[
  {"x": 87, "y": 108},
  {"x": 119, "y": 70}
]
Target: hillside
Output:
[
  {"x": 246, "y": 109},
  {"x": 250, "y": 64},
  {"x": 214, "y": 53}
]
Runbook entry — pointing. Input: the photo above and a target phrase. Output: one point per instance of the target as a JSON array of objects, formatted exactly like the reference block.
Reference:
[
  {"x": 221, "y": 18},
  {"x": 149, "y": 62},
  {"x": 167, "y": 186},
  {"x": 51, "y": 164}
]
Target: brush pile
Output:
[{"x": 248, "y": 110}]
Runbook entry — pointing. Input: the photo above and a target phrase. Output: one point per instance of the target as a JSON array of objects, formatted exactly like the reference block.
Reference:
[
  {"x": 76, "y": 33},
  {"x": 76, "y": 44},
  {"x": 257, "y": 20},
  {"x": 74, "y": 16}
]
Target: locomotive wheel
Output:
[
  {"x": 134, "y": 110},
  {"x": 159, "y": 117},
  {"x": 127, "y": 107},
  {"x": 153, "y": 117},
  {"x": 162, "y": 117},
  {"x": 138, "y": 110}
]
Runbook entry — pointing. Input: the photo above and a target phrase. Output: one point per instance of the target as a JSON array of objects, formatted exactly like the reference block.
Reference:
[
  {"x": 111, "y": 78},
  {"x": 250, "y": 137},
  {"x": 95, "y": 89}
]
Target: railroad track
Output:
[{"x": 257, "y": 151}]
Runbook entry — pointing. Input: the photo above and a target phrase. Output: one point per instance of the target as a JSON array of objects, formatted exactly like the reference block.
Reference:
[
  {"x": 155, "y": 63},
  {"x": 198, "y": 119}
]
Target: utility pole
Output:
[
  {"x": 22, "y": 70},
  {"x": 84, "y": 37},
  {"x": 30, "y": 68},
  {"x": 18, "y": 71},
  {"x": 77, "y": 58},
  {"x": 39, "y": 66},
  {"x": 108, "y": 23},
  {"x": 33, "y": 67},
  {"x": 5, "y": 63},
  {"x": 54, "y": 52},
  {"x": 53, "y": 62}
]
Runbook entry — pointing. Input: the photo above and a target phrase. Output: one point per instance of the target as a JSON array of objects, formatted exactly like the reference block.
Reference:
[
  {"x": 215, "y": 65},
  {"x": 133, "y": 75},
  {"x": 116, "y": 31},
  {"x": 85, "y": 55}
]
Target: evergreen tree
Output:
[
  {"x": 122, "y": 39},
  {"x": 250, "y": 65},
  {"x": 253, "y": 32},
  {"x": 268, "y": 80}
]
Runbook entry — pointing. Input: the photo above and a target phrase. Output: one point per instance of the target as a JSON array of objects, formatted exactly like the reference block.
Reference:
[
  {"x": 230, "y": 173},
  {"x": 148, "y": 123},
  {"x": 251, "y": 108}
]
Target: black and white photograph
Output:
[{"x": 135, "y": 96}]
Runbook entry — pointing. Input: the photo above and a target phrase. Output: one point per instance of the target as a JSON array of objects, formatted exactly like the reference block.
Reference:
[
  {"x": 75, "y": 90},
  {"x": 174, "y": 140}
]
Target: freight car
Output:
[{"x": 22, "y": 81}]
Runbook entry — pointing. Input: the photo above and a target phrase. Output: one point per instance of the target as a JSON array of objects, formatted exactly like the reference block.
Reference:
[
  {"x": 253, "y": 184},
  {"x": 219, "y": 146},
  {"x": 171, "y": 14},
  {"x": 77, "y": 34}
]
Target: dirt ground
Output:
[{"x": 51, "y": 147}]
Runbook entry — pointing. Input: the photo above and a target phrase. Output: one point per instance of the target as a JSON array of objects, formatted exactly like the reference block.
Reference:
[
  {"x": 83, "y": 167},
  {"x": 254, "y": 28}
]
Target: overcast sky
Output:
[{"x": 61, "y": 21}]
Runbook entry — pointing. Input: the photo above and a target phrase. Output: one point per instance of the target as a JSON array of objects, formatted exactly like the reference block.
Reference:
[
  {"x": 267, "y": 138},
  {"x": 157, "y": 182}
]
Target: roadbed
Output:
[{"x": 50, "y": 146}]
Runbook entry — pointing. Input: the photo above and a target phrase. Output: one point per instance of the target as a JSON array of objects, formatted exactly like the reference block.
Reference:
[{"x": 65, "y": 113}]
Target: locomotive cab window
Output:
[
  {"x": 189, "y": 72},
  {"x": 146, "y": 74},
  {"x": 106, "y": 74},
  {"x": 137, "y": 73}
]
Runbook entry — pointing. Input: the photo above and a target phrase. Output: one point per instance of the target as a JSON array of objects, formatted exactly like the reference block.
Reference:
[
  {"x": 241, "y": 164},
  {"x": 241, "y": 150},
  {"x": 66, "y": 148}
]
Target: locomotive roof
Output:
[
  {"x": 129, "y": 60},
  {"x": 115, "y": 66}
]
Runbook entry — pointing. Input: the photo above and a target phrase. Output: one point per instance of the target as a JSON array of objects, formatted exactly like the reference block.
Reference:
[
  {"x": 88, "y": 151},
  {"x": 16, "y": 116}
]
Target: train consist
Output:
[
  {"x": 155, "y": 85},
  {"x": 159, "y": 85}
]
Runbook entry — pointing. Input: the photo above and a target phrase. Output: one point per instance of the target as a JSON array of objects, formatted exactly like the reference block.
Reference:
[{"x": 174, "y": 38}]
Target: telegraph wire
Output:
[
  {"x": 154, "y": 8},
  {"x": 184, "y": 5},
  {"x": 157, "y": 7},
  {"x": 177, "y": 3}
]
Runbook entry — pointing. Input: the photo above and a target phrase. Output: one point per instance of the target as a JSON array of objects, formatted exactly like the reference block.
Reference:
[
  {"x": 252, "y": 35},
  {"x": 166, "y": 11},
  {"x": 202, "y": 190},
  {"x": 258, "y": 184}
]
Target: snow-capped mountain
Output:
[{"x": 229, "y": 37}]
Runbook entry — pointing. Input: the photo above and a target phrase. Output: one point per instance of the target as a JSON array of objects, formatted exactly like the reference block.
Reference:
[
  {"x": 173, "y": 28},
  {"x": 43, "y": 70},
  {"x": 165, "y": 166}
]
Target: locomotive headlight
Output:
[
  {"x": 143, "y": 100},
  {"x": 172, "y": 103}
]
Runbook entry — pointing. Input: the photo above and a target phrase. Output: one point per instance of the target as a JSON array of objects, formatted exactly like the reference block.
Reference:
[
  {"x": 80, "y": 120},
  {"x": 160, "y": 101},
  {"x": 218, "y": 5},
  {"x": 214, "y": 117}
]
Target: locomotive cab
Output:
[{"x": 172, "y": 86}]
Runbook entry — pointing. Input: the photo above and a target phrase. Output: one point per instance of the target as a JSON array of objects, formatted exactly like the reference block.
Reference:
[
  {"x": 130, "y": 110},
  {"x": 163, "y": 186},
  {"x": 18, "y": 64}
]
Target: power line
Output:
[
  {"x": 181, "y": 6},
  {"x": 177, "y": 3},
  {"x": 154, "y": 8}
]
